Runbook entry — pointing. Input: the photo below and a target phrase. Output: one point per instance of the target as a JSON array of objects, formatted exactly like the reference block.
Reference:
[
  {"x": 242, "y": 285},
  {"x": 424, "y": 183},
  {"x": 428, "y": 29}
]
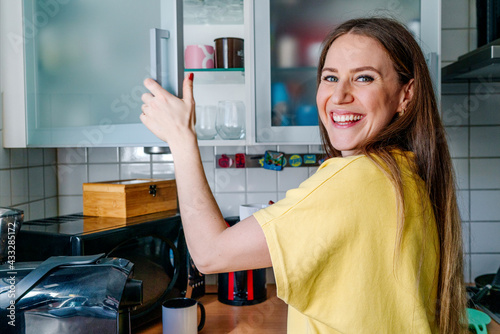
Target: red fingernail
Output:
[{"x": 191, "y": 76}]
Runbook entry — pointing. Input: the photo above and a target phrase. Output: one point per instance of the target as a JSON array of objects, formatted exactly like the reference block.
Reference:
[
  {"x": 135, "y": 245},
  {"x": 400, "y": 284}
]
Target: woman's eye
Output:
[
  {"x": 364, "y": 78},
  {"x": 330, "y": 78}
]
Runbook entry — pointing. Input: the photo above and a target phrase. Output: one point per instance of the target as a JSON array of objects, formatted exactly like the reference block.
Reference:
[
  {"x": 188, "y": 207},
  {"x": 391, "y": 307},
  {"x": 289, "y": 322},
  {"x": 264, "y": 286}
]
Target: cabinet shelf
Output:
[{"x": 218, "y": 75}]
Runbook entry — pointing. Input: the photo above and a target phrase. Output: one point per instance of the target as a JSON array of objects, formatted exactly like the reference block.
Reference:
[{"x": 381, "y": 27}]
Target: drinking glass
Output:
[
  {"x": 231, "y": 119},
  {"x": 205, "y": 122}
]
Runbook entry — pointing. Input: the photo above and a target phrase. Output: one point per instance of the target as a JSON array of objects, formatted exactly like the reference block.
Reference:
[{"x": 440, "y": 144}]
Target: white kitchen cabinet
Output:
[
  {"x": 286, "y": 41},
  {"x": 72, "y": 72}
]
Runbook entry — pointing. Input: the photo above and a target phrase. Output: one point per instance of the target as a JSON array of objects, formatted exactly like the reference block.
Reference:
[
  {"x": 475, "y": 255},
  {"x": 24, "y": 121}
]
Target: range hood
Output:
[{"x": 482, "y": 64}]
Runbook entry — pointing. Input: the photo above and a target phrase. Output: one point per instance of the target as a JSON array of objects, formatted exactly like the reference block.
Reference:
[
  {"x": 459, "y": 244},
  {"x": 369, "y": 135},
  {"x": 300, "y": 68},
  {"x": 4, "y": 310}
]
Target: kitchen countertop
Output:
[{"x": 268, "y": 317}]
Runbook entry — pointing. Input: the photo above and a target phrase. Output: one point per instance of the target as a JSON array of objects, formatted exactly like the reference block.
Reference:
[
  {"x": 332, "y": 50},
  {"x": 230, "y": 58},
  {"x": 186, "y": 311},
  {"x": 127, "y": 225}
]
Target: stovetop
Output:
[{"x": 78, "y": 224}]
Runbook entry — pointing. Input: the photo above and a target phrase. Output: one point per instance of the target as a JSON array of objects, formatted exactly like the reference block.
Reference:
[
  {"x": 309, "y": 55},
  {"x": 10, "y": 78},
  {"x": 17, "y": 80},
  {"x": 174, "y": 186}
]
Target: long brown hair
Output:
[{"x": 418, "y": 130}]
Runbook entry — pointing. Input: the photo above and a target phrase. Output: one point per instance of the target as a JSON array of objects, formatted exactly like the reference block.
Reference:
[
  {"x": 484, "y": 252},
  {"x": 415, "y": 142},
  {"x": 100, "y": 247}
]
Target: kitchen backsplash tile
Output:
[
  {"x": 463, "y": 204},
  {"x": 36, "y": 184},
  {"x": 484, "y": 264},
  {"x": 261, "y": 197},
  {"x": 460, "y": 17},
  {"x": 71, "y": 178},
  {"x": 229, "y": 180},
  {"x": 461, "y": 167},
  {"x": 103, "y": 172},
  {"x": 291, "y": 178},
  {"x": 454, "y": 110},
  {"x": 103, "y": 154},
  {"x": 455, "y": 42},
  {"x": 458, "y": 141},
  {"x": 262, "y": 180},
  {"x": 135, "y": 171},
  {"x": 484, "y": 205},
  {"x": 134, "y": 154},
  {"x": 19, "y": 186},
  {"x": 5, "y": 195},
  {"x": 484, "y": 173},
  {"x": 18, "y": 157},
  {"x": 50, "y": 181},
  {"x": 35, "y": 157},
  {"x": 71, "y": 155},
  {"x": 484, "y": 237},
  {"x": 484, "y": 141},
  {"x": 70, "y": 204},
  {"x": 163, "y": 171},
  {"x": 229, "y": 203},
  {"x": 481, "y": 106}
]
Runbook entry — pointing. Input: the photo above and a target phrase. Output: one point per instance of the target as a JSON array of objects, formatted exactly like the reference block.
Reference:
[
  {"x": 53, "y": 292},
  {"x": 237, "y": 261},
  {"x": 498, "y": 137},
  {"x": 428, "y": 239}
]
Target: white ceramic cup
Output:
[
  {"x": 246, "y": 210},
  {"x": 180, "y": 316}
]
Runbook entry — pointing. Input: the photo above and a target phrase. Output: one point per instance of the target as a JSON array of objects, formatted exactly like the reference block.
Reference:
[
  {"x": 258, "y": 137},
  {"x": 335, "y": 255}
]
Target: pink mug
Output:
[{"x": 199, "y": 56}]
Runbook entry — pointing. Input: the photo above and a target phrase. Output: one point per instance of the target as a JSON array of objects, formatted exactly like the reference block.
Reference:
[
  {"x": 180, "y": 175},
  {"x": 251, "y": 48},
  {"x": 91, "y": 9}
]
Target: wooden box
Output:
[{"x": 129, "y": 198}]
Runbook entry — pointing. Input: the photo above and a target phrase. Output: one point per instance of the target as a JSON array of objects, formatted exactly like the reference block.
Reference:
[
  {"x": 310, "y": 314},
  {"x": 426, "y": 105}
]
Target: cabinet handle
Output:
[{"x": 157, "y": 71}]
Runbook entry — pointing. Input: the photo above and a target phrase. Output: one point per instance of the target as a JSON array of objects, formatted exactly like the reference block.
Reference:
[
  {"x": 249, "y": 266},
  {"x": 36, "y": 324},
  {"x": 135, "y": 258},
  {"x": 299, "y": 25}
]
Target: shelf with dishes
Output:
[{"x": 217, "y": 75}]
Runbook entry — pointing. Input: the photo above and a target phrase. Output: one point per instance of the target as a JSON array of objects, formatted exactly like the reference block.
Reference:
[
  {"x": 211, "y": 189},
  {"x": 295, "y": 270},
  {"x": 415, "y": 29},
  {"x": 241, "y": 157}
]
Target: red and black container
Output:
[{"x": 241, "y": 288}]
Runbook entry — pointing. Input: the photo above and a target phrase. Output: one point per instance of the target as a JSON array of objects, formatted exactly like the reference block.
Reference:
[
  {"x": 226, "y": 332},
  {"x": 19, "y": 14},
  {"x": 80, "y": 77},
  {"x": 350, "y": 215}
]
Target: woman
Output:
[{"x": 371, "y": 242}]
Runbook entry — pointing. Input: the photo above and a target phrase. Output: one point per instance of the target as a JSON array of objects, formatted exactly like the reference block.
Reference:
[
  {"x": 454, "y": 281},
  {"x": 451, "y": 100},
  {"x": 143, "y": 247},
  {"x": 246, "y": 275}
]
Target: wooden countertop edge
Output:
[{"x": 268, "y": 317}]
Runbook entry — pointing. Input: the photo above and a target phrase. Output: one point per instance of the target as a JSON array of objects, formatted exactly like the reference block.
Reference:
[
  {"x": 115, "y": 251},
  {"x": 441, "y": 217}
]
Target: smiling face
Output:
[{"x": 359, "y": 93}]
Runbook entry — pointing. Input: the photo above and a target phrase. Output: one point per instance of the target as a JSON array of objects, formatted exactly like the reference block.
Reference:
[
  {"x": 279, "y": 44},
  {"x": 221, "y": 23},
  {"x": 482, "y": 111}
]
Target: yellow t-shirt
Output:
[{"x": 332, "y": 245}]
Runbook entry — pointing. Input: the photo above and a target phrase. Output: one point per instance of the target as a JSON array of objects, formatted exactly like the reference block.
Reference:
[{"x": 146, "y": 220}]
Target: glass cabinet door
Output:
[
  {"x": 85, "y": 62},
  {"x": 288, "y": 37}
]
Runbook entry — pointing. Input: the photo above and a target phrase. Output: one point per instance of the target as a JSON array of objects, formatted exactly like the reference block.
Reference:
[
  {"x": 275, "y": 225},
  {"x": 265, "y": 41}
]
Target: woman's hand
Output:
[{"x": 170, "y": 118}]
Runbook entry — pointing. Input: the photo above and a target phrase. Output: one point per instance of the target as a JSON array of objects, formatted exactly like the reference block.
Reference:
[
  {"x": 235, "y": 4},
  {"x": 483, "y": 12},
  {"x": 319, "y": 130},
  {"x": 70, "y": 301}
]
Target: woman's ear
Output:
[{"x": 406, "y": 95}]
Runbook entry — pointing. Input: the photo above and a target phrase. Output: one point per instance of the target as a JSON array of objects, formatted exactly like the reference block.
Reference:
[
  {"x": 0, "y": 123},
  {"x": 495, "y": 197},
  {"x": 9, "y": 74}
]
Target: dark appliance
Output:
[
  {"x": 241, "y": 288},
  {"x": 155, "y": 243},
  {"x": 485, "y": 295},
  {"x": 68, "y": 295},
  {"x": 488, "y": 21}
]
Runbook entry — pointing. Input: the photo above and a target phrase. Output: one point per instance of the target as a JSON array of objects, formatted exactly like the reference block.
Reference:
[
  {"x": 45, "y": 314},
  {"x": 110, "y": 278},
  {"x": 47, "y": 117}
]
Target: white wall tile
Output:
[
  {"x": 71, "y": 179},
  {"x": 458, "y": 141},
  {"x": 461, "y": 167},
  {"x": 291, "y": 177},
  {"x": 103, "y": 154},
  {"x": 135, "y": 171},
  {"x": 472, "y": 39},
  {"x": 484, "y": 237},
  {"x": 485, "y": 174},
  {"x": 261, "y": 180},
  {"x": 5, "y": 195},
  {"x": 103, "y": 172},
  {"x": 454, "y": 43},
  {"x": 163, "y": 171},
  {"x": 466, "y": 237},
  {"x": 50, "y": 180},
  {"x": 51, "y": 207},
  {"x": 37, "y": 209},
  {"x": 484, "y": 205},
  {"x": 49, "y": 156},
  {"x": 261, "y": 197},
  {"x": 4, "y": 154},
  {"x": 484, "y": 264},
  {"x": 163, "y": 158},
  {"x": 19, "y": 186},
  {"x": 134, "y": 154},
  {"x": 454, "y": 88},
  {"x": 455, "y": 110},
  {"x": 18, "y": 157},
  {"x": 70, "y": 204},
  {"x": 230, "y": 180},
  {"x": 484, "y": 108},
  {"x": 467, "y": 269},
  {"x": 484, "y": 141},
  {"x": 25, "y": 208},
  {"x": 71, "y": 155},
  {"x": 36, "y": 183},
  {"x": 35, "y": 157},
  {"x": 460, "y": 14},
  {"x": 463, "y": 204},
  {"x": 472, "y": 14},
  {"x": 229, "y": 203}
]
